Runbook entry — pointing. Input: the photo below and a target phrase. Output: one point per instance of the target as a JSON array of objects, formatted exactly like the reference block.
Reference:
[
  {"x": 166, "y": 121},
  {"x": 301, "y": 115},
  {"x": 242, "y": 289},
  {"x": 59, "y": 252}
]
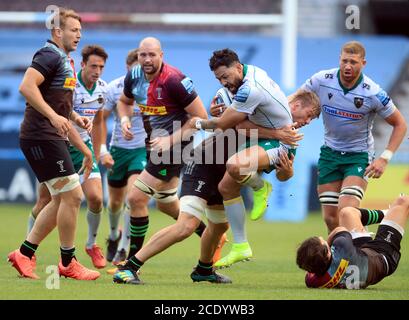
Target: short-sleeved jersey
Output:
[
  {"x": 114, "y": 92},
  {"x": 88, "y": 102},
  {"x": 348, "y": 114},
  {"x": 344, "y": 255},
  {"x": 58, "y": 71},
  {"x": 262, "y": 99},
  {"x": 163, "y": 99}
]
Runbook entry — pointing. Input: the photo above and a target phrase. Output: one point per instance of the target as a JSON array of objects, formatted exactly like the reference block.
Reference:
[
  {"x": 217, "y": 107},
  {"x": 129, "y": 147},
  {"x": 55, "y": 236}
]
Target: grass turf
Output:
[{"x": 271, "y": 275}]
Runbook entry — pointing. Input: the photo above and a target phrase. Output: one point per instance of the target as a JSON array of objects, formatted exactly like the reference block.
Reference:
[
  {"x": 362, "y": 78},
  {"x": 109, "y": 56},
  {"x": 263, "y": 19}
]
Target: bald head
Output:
[
  {"x": 150, "y": 57},
  {"x": 150, "y": 43}
]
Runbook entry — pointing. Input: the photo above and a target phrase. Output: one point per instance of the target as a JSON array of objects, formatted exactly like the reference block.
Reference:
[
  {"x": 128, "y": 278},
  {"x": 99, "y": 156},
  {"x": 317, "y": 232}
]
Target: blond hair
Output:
[
  {"x": 354, "y": 47},
  {"x": 307, "y": 98}
]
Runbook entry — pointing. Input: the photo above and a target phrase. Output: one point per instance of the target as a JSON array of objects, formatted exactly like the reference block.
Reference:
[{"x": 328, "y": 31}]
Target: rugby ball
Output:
[{"x": 224, "y": 96}]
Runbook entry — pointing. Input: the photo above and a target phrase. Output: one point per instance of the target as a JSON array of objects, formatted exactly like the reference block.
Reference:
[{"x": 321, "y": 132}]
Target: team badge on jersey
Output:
[
  {"x": 329, "y": 96},
  {"x": 101, "y": 99},
  {"x": 358, "y": 102}
]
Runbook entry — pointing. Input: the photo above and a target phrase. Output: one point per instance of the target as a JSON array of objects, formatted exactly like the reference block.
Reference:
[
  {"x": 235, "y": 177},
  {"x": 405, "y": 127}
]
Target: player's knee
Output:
[
  {"x": 115, "y": 205},
  {"x": 346, "y": 211},
  {"x": 233, "y": 170},
  {"x": 95, "y": 200},
  {"x": 223, "y": 189},
  {"x": 185, "y": 230},
  {"x": 403, "y": 201}
]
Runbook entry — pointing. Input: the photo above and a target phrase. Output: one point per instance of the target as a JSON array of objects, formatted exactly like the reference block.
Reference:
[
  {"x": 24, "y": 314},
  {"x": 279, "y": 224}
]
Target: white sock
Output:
[
  {"x": 30, "y": 223},
  {"x": 236, "y": 214},
  {"x": 126, "y": 238},
  {"x": 93, "y": 220},
  {"x": 114, "y": 223},
  {"x": 253, "y": 180}
]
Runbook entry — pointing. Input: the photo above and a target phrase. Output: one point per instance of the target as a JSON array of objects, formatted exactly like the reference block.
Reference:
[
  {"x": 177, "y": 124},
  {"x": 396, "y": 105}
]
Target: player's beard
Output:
[{"x": 152, "y": 69}]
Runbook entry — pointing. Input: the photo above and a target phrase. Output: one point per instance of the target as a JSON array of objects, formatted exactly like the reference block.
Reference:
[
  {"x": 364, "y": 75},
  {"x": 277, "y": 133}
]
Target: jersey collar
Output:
[
  {"x": 346, "y": 90},
  {"x": 245, "y": 68},
  {"x": 90, "y": 91}
]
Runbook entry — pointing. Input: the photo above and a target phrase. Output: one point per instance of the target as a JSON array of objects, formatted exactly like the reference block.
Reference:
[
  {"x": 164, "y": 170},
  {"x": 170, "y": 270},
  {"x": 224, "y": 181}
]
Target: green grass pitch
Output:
[{"x": 271, "y": 275}]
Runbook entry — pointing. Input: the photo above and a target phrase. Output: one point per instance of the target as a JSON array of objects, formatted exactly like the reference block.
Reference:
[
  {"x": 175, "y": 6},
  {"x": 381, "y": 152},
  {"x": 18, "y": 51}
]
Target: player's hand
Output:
[
  {"x": 285, "y": 163},
  {"x": 126, "y": 132},
  {"x": 107, "y": 161},
  {"x": 376, "y": 168},
  {"x": 84, "y": 123},
  {"x": 192, "y": 122},
  {"x": 87, "y": 165},
  {"x": 289, "y": 135},
  {"x": 216, "y": 109},
  {"x": 160, "y": 144},
  {"x": 62, "y": 125}
]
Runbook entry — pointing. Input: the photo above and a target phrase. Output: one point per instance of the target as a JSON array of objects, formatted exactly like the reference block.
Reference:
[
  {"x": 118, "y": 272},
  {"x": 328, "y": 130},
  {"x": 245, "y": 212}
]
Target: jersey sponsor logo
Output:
[
  {"x": 152, "y": 110},
  {"x": 342, "y": 113},
  {"x": 242, "y": 94},
  {"x": 86, "y": 112},
  {"x": 336, "y": 278},
  {"x": 188, "y": 84},
  {"x": 358, "y": 102},
  {"x": 329, "y": 76},
  {"x": 70, "y": 83},
  {"x": 383, "y": 97}
]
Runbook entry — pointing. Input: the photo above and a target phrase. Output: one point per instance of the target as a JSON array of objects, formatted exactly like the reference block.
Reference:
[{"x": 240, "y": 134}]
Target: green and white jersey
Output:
[
  {"x": 114, "y": 92},
  {"x": 348, "y": 114},
  {"x": 262, "y": 99},
  {"x": 88, "y": 102}
]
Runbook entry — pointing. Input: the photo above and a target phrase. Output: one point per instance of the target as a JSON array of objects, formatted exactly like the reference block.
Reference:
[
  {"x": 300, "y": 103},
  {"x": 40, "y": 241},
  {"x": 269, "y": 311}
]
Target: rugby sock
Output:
[
  {"x": 67, "y": 254},
  {"x": 125, "y": 233},
  {"x": 114, "y": 223},
  {"x": 137, "y": 230},
  {"x": 371, "y": 216},
  {"x": 236, "y": 214},
  {"x": 200, "y": 229},
  {"x": 134, "y": 264},
  {"x": 30, "y": 223},
  {"x": 93, "y": 219},
  {"x": 28, "y": 249},
  {"x": 204, "y": 269},
  {"x": 253, "y": 180}
]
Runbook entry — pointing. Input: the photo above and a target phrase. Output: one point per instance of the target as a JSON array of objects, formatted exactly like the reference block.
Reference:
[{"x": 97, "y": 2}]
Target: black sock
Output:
[
  {"x": 200, "y": 229},
  {"x": 204, "y": 269},
  {"x": 28, "y": 249},
  {"x": 67, "y": 255},
  {"x": 371, "y": 216},
  {"x": 134, "y": 264},
  {"x": 137, "y": 231}
]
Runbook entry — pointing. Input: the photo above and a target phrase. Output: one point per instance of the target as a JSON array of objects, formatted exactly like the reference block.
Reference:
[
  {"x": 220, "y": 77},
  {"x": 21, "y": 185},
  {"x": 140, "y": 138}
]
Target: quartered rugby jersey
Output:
[
  {"x": 88, "y": 102},
  {"x": 262, "y": 99},
  {"x": 114, "y": 92},
  {"x": 163, "y": 99},
  {"x": 347, "y": 261},
  {"x": 348, "y": 114},
  {"x": 58, "y": 71}
]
